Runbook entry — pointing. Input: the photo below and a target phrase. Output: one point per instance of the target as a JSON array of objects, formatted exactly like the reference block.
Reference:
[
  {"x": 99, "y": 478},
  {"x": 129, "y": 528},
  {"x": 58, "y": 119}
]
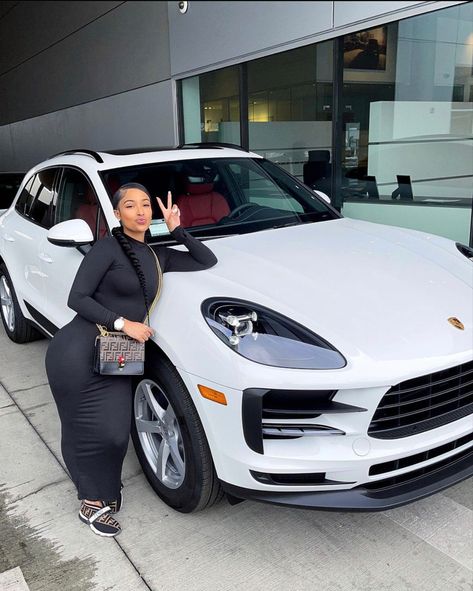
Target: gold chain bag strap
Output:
[{"x": 118, "y": 354}]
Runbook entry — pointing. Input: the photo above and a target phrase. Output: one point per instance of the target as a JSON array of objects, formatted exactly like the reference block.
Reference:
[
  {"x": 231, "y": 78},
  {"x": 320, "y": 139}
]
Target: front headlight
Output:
[
  {"x": 465, "y": 250},
  {"x": 267, "y": 337}
]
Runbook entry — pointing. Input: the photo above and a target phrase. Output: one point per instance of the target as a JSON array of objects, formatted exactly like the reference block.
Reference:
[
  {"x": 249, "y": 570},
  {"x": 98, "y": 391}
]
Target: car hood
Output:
[{"x": 375, "y": 292}]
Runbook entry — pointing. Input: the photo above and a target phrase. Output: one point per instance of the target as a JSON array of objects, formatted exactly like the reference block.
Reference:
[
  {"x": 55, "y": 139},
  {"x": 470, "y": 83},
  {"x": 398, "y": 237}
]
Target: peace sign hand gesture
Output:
[{"x": 170, "y": 213}]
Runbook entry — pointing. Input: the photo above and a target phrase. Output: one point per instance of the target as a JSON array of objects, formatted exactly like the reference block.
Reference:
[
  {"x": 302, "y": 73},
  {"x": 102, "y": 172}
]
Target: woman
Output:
[{"x": 114, "y": 286}]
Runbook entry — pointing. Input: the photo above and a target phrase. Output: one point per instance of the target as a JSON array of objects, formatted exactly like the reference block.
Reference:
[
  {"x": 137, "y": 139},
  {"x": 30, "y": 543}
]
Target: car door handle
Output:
[
  {"x": 8, "y": 238},
  {"x": 45, "y": 257}
]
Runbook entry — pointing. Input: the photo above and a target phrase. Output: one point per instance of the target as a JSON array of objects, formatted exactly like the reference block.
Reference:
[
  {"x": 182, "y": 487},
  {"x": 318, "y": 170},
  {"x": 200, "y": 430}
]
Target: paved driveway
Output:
[{"x": 424, "y": 546}]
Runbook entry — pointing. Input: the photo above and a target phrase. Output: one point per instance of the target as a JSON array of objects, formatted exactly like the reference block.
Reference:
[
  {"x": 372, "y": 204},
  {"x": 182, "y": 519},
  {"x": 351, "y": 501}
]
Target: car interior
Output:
[
  {"x": 77, "y": 200},
  {"x": 212, "y": 193},
  {"x": 196, "y": 189}
]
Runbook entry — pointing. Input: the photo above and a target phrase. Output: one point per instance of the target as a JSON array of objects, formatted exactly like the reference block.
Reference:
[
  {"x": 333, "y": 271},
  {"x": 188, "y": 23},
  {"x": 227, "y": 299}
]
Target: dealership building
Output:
[{"x": 369, "y": 102}]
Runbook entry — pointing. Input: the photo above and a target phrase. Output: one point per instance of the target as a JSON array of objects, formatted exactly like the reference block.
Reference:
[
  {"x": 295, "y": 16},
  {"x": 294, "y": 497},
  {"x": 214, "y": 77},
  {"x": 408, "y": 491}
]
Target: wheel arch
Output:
[
  {"x": 155, "y": 354},
  {"x": 203, "y": 417},
  {"x": 21, "y": 303},
  {"x": 159, "y": 354}
]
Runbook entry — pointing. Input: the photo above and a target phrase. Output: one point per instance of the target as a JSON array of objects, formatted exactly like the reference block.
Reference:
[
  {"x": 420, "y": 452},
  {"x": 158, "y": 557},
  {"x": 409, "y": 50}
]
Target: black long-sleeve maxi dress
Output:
[{"x": 95, "y": 410}]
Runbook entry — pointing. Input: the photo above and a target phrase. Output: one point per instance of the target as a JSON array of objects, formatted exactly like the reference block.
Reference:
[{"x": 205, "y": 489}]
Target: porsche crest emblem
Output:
[{"x": 456, "y": 323}]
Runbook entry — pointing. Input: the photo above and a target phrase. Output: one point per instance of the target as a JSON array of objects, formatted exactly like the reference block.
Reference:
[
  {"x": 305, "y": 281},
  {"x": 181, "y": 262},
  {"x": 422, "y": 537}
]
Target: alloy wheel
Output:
[
  {"x": 159, "y": 434},
  {"x": 6, "y": 301}
]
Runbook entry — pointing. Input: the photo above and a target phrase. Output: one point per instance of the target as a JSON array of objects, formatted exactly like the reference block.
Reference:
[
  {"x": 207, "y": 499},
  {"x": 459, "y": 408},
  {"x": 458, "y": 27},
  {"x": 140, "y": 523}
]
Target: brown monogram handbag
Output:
[{"x": 118, "y": 354}]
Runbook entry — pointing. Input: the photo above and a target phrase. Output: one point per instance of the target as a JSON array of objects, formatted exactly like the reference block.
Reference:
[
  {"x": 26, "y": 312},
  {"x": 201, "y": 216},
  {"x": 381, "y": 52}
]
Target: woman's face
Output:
[{"x": 134, "y": 211}]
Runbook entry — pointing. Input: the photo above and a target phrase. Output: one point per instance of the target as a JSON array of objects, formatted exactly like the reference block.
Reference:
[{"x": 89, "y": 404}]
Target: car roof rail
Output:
[
  {"x": 95, "y": 155},
  {"x": 130, "y": 151},
  {"x": 203, "y": 145}
]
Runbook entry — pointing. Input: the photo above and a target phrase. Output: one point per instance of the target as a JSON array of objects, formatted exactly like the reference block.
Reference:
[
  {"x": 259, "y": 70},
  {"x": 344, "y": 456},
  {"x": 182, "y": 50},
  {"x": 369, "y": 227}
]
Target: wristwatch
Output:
[{"x": 119, "y": 323}]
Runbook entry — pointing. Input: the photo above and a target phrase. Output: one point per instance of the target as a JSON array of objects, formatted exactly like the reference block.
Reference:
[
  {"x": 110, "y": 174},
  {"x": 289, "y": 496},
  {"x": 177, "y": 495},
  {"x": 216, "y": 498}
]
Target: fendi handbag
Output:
[{"x": 118, "y": 354}]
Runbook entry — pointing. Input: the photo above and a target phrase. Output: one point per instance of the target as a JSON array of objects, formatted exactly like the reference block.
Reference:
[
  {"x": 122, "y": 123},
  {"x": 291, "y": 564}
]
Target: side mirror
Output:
[
  {"x": 324, "y": 196},
  {"x": 71, "y": 233}
]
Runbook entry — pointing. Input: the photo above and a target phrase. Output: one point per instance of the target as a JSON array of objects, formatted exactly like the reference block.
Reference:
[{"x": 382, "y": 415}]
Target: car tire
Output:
[
  {"x": 17, "y": 327},
  {"x": 187, "y": 481}
]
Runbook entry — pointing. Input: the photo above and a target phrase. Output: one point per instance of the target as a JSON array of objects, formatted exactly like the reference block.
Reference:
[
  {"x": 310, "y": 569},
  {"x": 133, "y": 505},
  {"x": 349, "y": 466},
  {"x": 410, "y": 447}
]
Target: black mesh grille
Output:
[
  {"x": 420, "y": 457},
  {"x": 410, "y": 477},
  {"x": 424, "y": 403}
]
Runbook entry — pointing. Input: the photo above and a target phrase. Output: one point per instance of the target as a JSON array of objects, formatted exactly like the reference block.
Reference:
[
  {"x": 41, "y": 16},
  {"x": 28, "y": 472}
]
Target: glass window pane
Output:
[
  {"x": 211, "y": 107},
  {"x": 77, "y": 200},
  {"x": 408, "y": 123},
  {"x": 42, "y": 208},
  {"x": 223, "y": 196},
  {"x": 290, "y": 111},
  {"x": 25, "y": 199}
]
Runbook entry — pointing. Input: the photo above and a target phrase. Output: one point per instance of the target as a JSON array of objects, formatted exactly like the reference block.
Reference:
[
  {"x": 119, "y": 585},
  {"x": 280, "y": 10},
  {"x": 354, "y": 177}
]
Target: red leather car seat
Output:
[
  {"x": 87, "y": 211},
  {"x": 201, "y": 205},
  {"x": 113, "y": 182}
]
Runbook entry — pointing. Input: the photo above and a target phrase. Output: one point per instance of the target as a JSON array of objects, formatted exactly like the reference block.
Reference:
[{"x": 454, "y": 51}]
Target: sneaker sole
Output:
[{"x": 95, "y": 530}]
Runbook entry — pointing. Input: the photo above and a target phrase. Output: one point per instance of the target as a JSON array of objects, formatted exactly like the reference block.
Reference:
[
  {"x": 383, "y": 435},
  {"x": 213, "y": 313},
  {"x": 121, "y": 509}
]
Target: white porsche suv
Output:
[{"x": 323, "y": 362}]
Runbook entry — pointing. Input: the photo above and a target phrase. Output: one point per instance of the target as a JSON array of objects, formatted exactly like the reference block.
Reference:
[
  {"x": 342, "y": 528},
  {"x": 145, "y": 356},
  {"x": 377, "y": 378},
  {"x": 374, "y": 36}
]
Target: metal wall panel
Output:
[
  {"x": 213, "y": 32},
  {"x": 346, "y": 13},
  {"x": 211, "y": 35},
  {"x": 30, "y": 27},
  {"x": 139, "y": 118},
  {"x": 125, "y": 49}
]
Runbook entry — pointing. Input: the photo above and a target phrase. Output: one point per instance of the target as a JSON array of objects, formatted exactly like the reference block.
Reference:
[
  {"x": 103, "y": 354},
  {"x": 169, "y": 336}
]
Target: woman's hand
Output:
[
  {"x": 138, "y": 331},
  {"x": 170, "y": 213}
]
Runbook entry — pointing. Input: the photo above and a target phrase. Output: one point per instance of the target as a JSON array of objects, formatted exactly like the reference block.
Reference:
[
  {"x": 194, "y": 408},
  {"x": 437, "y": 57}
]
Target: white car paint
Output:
[{"x": 380, "y": 295}]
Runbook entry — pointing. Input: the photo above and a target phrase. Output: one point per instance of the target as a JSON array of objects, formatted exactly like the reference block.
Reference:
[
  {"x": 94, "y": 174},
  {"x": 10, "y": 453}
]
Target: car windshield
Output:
[{"x": 223, "y": 196}]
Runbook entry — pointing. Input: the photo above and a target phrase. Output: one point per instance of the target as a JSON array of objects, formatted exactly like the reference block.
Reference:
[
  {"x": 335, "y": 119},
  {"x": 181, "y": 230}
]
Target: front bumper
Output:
[
  {"x": 334, "y": 463},
  {"x": 385, "y": 495}
]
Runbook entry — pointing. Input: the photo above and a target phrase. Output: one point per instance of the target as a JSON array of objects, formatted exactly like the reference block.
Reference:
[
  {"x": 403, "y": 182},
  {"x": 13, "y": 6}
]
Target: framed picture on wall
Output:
[{"x": 366, "y": 50}]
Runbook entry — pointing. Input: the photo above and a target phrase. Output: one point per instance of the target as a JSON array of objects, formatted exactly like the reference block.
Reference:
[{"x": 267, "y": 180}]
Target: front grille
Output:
[
  {"x": 424, "y": 403},
  {"x": 296, "y": 404},
  {"x": 262, "y": 405},
  {"x": 420, "y": 457},
  {"x": 309, "y": 479},
  {"x": 386, "y": 483}
]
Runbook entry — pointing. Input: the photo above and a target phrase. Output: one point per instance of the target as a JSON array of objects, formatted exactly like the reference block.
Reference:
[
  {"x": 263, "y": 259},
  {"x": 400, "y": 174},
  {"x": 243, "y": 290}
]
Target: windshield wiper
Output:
[
  {"x": 209, "y": 236},
  {"x": 287, "y": 224},
  {"x": 205, "y": 237}
]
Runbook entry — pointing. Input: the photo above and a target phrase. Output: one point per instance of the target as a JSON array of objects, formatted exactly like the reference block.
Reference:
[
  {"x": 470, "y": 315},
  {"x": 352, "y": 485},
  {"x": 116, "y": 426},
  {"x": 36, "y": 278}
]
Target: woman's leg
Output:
[
  {"x": 95, "y": 412},
  {"x": 102, "y": 430}
]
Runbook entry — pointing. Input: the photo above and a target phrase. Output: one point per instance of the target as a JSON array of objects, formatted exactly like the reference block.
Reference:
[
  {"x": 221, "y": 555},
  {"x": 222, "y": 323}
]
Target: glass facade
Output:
[
  {"x": 403, "y": 125},
  {"x": 211, "y": 107},
  {"x": 290, "y": 105}
]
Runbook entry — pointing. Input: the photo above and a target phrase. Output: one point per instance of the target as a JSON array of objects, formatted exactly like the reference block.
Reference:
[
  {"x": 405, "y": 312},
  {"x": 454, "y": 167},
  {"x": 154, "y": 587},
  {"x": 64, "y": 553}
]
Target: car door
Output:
[
  {"x": 23, "y": 231},
  {"x": 76, "y": 199}
]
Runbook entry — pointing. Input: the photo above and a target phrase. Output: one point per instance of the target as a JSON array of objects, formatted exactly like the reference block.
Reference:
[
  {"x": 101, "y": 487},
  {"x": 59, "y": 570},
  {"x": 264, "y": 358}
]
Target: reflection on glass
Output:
[
  {"x": 408, "y": 126},
  {"x": 223, "y": 196},
  {"x": 290, "y": 107},
  {"x": 211, "y": 107}
]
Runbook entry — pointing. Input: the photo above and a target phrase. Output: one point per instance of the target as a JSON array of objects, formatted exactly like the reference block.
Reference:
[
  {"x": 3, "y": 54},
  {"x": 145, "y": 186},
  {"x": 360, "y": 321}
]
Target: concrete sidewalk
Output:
[{"x": 424, "y": 546}]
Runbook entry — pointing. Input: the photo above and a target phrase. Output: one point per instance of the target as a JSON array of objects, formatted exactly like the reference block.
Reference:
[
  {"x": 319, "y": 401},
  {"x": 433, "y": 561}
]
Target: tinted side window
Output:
[
  {"x": 77, "y": 200},
  {"x": 42, "y": 209},
  {"x": 25, "y": 199}
]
